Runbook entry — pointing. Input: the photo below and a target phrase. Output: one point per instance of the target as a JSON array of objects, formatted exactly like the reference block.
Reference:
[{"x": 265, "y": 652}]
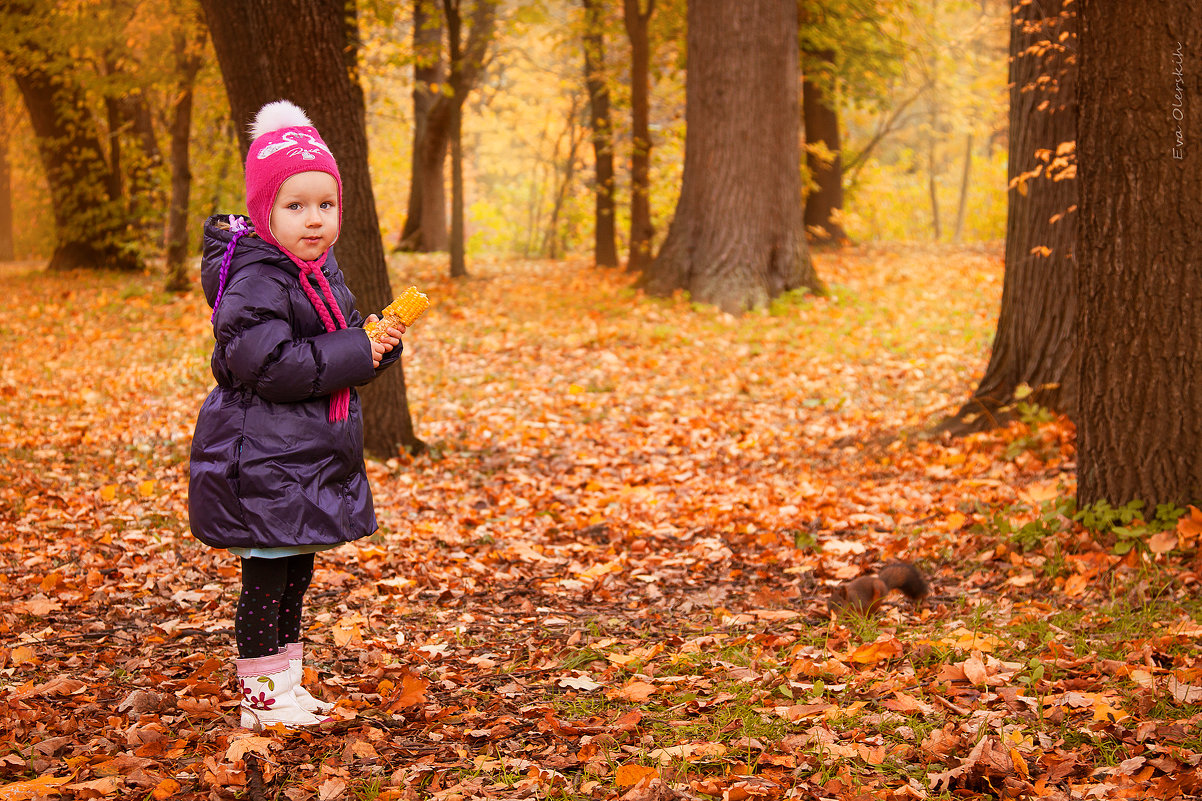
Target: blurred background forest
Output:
[{"x": 920, "y": 91}]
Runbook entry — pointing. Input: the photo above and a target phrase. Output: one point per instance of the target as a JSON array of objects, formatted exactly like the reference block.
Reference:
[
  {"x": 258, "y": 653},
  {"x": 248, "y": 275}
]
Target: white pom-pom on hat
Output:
[{"x": 278, "y": 115}]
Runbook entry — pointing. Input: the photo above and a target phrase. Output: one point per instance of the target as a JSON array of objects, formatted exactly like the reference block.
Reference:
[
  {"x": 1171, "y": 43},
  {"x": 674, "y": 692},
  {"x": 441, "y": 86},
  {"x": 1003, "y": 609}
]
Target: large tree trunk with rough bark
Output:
[
  {"x": 638, "y": 21},
  {"x": 737, "y": 239},
  {"x": 825, "y": 168},
  {"x": 605, "y": 251},
  {"x": 1139, "y": 280},
  {"x": 318, "y": 40},
  {"x": 1034, "y": 342}
]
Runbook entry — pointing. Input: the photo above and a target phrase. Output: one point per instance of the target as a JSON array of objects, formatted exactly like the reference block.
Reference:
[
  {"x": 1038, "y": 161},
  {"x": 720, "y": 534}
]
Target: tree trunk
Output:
[
  {"x": 1034, "y": 342},
  {"x": 432, "y": 154},
  {"x": 432, "y": 160},
  {"x": 822, "y": 126},
  {"x": 563, "y": 183},
  {"x": 89, "y": 222},
  {"x": 188, "y": 63},
  {"x": 321, "y": 38},
  {"x": 641, "y": 229},
  {"x": 933, "y": 182},
  {"x": 1139, "y": 321},
  {"x": 426, "y": 172},
  {"x": 737, "y": 239},
  {"x": 7, "y": 245},
  {"x": 605, "y": 251},
  {"x": 962, "y": 206},
  {"x": 458, "y": 260}
]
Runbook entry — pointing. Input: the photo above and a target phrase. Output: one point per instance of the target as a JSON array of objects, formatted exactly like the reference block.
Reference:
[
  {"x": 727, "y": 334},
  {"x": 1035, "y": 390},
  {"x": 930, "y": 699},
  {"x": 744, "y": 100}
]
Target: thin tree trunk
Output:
[
  {"x": 1139, "y": 436},
  {"x": 188, "y": 63},
  {"x": 822, "y": 127},
  {"x": 458, "y": 260},
  {"x": 551, "y": 246},
  {"x": 534, "y": 206},
  {"x": 738, "y": 239},
  {"x": 7, "y": 245},
  {"x": 247, "y": 38},
  {"x": 963, "y": 204},
  {"x": 605, "y": 251},
  {"x": 1034, "y": 343},
  {"x": 641, "y": 229},
  {"x": 932, "y": 183},
  {"x": 432, "y": 159},
  {"x": 116, "y": 172},
  {"x": 426, "y": 172}
]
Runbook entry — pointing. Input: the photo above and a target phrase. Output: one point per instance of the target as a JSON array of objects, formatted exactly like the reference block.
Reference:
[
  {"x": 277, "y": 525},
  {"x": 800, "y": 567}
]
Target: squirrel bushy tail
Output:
[{"x": 864, "y": 594}]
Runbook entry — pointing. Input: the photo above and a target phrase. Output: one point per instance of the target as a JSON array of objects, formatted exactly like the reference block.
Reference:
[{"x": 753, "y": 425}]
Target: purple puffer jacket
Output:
[{"x": 268, "y": 468}]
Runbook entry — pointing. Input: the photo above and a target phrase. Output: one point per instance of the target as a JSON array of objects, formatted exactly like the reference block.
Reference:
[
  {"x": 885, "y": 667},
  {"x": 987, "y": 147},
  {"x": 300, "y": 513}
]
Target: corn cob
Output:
[{"x": 405, "y": 309}]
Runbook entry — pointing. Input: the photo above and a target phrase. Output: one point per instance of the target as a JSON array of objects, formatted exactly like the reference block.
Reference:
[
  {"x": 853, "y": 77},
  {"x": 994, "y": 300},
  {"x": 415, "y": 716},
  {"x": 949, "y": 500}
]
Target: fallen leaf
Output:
[{"x": 629, "y": 775}]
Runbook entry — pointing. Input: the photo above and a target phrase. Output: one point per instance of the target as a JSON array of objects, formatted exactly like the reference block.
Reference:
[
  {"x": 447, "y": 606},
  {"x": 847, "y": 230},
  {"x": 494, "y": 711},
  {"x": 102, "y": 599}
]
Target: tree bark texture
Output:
[
  {"x": 605, "y": 251},
  {"x": 305, "y": 51},
  {"x": 426, "y": 172},
  {"x": 737, "y": 239},
  {"x": 1034, "y": 341},
  {"x": 822, "y": 126},
  {"x": 641, "y": 230},
  {"x": 1139, "y": 277}
]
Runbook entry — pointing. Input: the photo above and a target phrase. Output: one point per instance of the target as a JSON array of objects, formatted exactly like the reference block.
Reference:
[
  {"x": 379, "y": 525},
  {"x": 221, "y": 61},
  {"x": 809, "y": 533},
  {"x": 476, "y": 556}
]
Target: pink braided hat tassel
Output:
[{"x": 340, "y": 401}]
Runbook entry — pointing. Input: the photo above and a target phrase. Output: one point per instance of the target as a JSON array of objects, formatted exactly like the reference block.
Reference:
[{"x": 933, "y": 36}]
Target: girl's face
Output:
[{"x": 304, "y": 216}]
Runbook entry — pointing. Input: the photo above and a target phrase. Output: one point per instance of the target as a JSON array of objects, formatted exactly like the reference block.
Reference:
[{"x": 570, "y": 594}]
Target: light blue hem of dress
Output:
[{"x": 277, "y": 553}]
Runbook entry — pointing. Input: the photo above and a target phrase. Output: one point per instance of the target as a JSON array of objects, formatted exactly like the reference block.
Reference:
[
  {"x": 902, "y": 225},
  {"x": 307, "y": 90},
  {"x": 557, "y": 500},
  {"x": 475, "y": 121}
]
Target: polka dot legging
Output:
[{"x": 269, "y": 608}]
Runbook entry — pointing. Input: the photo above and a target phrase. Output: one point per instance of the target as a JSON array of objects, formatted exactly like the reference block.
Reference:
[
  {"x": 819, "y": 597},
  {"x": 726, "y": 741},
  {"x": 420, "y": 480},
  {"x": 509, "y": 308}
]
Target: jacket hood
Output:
[{"x": 249, "y": 250}]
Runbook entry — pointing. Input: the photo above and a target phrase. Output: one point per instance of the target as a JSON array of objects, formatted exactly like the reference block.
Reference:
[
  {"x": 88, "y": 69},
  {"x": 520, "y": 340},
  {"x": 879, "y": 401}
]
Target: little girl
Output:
[{"x": 277, "y": 469}]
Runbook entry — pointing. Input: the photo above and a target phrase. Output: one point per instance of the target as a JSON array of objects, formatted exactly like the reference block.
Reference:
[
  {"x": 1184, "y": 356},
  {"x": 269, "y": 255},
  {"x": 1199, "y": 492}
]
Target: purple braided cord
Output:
[{"x": 238, "y": 227}]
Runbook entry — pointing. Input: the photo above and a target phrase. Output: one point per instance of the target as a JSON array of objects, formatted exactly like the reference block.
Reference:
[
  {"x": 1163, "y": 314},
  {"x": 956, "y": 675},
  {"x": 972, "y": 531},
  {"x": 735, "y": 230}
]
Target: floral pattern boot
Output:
[
  {"x": 296, "y": 663},
  {"x": 267, "y": 694}
]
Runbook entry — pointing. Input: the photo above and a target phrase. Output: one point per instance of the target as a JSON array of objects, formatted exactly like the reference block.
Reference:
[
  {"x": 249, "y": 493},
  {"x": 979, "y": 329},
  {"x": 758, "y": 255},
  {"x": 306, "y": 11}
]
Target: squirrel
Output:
[{"x": 864, "y": 594}]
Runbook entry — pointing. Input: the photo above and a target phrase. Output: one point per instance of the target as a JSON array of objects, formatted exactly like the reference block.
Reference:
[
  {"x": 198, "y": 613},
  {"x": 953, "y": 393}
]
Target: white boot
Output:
[
  {"x": 267, "y": 696},
  {"x": 296, "y": 664}
]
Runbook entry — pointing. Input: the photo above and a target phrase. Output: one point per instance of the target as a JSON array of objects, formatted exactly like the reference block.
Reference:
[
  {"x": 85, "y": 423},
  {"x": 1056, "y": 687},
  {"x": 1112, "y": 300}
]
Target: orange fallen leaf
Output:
[
  {"x": 879, "y": 651},
  {"x": 1163, "y": 542},
  {"x": 165, "y": 789},
  {"x": 33, "y": 788},
  {"x": 636, "y": 691},
  {"x": 239, "y": 747},
  {"x": 413, "y": 692},
  {"x": 98, "y": 788}
]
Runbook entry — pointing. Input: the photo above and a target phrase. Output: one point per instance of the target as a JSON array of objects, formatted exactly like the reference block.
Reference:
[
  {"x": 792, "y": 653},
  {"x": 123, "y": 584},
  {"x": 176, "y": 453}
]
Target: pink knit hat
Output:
[{"x": 284, "y": 143}]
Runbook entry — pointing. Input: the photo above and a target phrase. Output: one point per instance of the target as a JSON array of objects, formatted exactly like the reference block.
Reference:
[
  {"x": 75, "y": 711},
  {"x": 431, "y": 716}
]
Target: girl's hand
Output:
[{"x": 390, "y": 340}]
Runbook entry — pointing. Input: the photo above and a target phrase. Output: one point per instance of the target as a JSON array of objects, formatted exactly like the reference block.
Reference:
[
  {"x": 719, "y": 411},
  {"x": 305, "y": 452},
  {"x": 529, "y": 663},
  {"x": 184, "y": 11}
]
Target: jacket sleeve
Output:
[{"x": 254, "y": 328}]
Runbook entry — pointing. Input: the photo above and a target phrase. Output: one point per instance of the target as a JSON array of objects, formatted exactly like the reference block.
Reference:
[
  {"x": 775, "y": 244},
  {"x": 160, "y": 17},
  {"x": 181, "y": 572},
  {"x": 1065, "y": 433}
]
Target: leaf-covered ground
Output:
[{"x": 608, "y": 579}]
